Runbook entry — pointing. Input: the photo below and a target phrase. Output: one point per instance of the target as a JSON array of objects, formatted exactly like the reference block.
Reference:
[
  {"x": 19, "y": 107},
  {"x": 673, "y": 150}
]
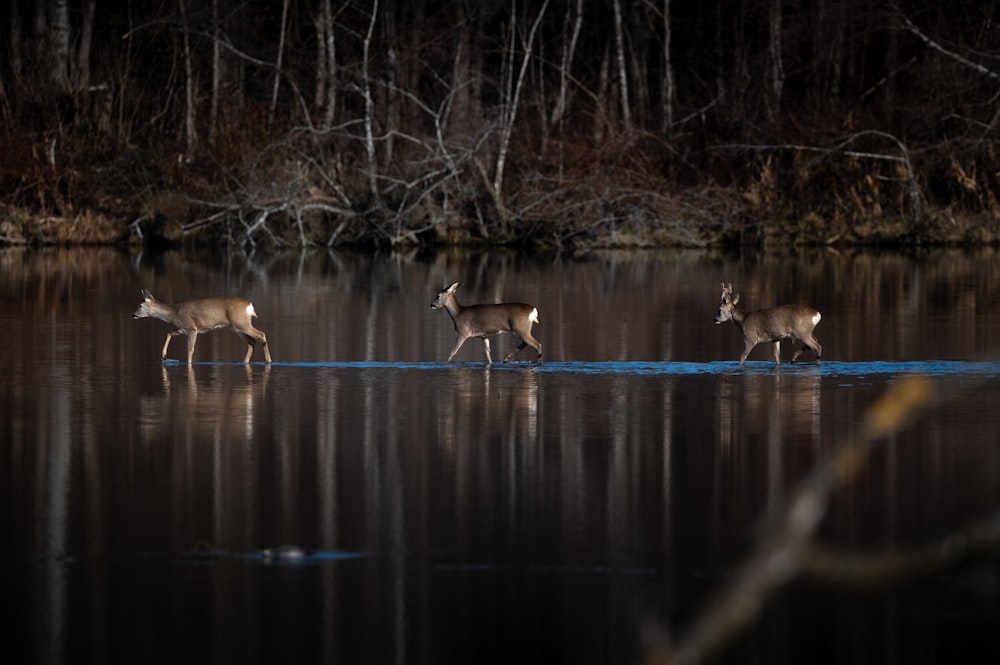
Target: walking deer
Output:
[
  {"x": 485, "y": 320},
  {"x": 197, "y": 316},
  {"x": 771, "y": 325}
]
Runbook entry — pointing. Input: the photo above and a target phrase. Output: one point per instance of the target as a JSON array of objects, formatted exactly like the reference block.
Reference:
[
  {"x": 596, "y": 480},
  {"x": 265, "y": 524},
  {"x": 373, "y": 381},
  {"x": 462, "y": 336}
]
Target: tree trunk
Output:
[
  {"x": 463, "y": 92},
  {"x": 213, "y": 109},
  {"x": 14, "y": 44},
  {"x": 668, "y": 92},
  {"x": 776, "y": 69},
  {"x": 59, "y": 49},
  {"x": 638, "y": 65},
  {"x": 620, "y": 61},
  {"x": 83, "y": 49},
  {"x": 326, "y": 65},
  {"x": 601, "y": 103},
  {"x": 320, "y": 21},
  {"x": 390, "y": 111},
  {"x": 190, "y": 91},
  {"x": 566, "y": 64},
  {"x": 370, "y": 109},
  {"x": 510, "y": 106},
  {"x": 277, "y": 65}
]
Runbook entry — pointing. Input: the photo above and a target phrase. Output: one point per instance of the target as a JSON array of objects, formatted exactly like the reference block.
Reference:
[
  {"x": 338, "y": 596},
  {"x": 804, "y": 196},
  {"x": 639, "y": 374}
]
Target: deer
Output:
[
  {"x": 771, "y": 325},
  {"x": 192, "y": 317},
  {"x": 489, "y": 319}
]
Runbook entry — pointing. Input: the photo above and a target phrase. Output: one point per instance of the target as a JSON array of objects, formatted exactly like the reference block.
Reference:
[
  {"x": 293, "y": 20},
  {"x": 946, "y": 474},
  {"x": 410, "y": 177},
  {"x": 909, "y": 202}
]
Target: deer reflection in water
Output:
[
  {"x": 211, "y": 407},
  {"x": 212, "y": 420}
]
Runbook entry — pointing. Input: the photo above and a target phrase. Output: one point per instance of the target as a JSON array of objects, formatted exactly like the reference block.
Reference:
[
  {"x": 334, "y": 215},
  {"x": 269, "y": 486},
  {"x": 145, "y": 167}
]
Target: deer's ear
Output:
[{"x": 453, "y": 287}]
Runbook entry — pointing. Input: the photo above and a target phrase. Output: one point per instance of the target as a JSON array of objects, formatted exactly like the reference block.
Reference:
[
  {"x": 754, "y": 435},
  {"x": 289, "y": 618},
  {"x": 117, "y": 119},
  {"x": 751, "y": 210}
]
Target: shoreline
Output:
[{"x": 89, "y": 228}]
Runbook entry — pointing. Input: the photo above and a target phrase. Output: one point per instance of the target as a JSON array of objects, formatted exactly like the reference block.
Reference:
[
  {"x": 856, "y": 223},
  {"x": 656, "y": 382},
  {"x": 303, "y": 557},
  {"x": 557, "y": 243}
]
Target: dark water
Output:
[{"x": 450, "y": 513}]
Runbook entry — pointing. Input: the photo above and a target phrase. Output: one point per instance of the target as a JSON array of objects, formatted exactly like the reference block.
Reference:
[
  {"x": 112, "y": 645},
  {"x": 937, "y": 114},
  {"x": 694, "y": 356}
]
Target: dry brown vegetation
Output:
[{"x": 563, "y": 123}]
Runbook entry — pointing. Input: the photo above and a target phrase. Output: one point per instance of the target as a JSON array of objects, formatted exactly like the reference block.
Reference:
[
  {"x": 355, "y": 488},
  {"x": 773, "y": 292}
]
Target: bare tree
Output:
[
  {"x": 82, "y": 68},
  {"x": 620, "y": 62},
  {"x": 465, "y": 77},
  {"x": 326, "y": 64},
  {"x": 14, "y": 43},
  {"x": 568, "y": 50},
  {"x": 370, "y": 107},
  {"x": 669, "y": 87},
  {"x": 213, "y": 111},
  {"x": 59, "y": 44},
  {"x": 512, "y": 95},
  {"x": 190, "y": 87},
  {"x": 776, "y": 68},
  {"x": 278, "y": 62}
]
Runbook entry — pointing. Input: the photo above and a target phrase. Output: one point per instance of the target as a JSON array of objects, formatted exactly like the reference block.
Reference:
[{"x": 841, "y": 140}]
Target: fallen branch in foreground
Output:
[{"x": 787, "y": 550}]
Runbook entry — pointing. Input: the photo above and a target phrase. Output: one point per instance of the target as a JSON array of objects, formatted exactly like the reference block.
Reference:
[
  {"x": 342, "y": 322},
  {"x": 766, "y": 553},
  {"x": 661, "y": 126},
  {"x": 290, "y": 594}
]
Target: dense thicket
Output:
[{"x": 555, "y": 121}]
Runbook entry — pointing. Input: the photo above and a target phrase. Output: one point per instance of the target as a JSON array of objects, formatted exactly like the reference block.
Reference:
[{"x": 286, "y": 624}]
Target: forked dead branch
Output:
[{"x": 788, "y": 547}]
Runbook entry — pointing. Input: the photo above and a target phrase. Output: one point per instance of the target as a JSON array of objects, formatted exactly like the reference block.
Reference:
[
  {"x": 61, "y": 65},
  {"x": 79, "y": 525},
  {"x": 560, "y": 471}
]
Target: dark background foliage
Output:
[{"x": 566, "y": 122}]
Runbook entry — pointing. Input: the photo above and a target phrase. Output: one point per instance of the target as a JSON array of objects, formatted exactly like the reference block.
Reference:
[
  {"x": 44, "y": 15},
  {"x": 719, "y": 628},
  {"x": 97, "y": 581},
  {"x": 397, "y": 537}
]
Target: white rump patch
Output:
[
  {"x": 533, "y": 317},
  {"x": 816, "y": 318},
  {"x": 250, "y": 310}
]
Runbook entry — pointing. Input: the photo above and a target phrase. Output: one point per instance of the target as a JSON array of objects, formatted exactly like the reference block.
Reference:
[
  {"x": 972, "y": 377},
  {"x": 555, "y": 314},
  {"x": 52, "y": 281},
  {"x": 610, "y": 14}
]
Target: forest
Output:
[{"x": 546, "y": 124}]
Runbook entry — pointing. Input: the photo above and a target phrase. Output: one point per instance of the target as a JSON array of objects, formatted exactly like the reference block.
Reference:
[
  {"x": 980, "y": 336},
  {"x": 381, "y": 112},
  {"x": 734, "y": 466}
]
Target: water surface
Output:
[{"x": 360, "y": 500}]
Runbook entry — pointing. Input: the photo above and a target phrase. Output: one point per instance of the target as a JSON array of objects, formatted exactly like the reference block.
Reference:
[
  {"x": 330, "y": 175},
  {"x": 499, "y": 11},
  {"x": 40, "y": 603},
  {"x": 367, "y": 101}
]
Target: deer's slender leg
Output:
[
  {"x": 163, "y": 353},
  {"x": 813, "y": 344},
  {"x": 526, "y": 341},
  {"x": 520, "y": 347},
  {"x": 192, "y": 338},
  {"x": 458, "y": 344}
]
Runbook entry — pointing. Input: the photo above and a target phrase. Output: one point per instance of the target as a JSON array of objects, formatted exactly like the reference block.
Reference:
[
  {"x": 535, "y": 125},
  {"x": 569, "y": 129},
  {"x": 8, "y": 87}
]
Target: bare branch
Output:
[
  {"x": 942, "y": 50},
  {"x": 886, "y": 566},
  {"x": 780, "y": 555}
]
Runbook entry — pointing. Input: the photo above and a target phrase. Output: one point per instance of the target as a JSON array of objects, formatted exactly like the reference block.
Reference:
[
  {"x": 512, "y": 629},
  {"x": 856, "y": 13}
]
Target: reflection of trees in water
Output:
[
  {"x": 210, "y": 417},
  {"x": 779, "y": 413},
  {"x": 788, "y": 548}
]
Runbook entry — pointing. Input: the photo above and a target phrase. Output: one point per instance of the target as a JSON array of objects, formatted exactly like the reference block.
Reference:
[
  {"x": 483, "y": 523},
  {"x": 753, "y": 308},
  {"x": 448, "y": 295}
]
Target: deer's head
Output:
[{"x": 727, "y": 305}]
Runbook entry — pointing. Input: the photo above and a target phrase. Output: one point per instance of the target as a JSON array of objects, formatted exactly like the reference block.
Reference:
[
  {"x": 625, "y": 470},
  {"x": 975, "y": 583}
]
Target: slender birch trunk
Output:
[
  {"x": 326, "y": 65},
  {"x": 622, "y": 73},
  {"x": 281, "y": 53},
  {"x": 510, "y": 106},
  {"x": 59, "y": 48},
  {"x": 370, "y": 108},
  {"x": 777, "y": 70},
  {"x": 213, "y": 109},
  {"x": 668, "y": 91},
  {"x": 82, "y": 67},
  {"x": 190, "y": 93},
  {"x": 566, "y": 64}
]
